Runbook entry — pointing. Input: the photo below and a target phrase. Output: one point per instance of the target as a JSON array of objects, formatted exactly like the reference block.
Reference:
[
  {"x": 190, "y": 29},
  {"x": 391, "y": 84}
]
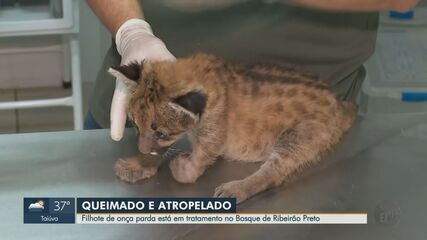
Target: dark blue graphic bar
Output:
[{"x": 156, "y": 205}]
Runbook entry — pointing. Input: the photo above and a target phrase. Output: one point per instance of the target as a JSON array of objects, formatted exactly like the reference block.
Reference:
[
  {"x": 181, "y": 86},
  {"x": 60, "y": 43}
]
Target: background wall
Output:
[{"x": 95, "y": 40}]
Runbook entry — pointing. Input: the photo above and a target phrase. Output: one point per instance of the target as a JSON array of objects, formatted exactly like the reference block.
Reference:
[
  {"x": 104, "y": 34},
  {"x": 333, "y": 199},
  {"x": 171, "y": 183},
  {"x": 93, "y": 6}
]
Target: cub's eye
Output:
[{"x": 160, "y": 135}]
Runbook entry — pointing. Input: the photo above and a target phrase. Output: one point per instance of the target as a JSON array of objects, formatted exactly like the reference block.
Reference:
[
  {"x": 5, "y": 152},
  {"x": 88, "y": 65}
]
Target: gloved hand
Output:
[{"x": 135, "y": 42}]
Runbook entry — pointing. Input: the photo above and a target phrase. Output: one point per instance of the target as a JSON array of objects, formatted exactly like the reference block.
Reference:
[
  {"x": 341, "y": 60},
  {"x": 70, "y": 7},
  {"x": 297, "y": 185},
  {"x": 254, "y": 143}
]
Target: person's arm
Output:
[
  {"x": 357, "y": 5},
  {"x": 135, "y": 42},
  {"x": 114, "y": 13}
]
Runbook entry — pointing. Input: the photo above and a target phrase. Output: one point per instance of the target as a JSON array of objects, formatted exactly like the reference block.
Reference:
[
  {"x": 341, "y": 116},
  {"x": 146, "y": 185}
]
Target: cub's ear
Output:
[
  {"x": 130, "y": 73},
  {"x": 194, "y": 102}
]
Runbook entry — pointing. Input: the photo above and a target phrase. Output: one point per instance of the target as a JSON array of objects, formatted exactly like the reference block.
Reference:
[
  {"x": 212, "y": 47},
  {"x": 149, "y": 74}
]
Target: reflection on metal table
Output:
[{"x": 379, "y": 168}]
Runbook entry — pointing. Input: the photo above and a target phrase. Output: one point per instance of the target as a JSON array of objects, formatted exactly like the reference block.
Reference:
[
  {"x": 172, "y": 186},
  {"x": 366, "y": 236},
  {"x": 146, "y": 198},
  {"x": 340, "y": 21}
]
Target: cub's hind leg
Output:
[{"x": 294, "y": 149}]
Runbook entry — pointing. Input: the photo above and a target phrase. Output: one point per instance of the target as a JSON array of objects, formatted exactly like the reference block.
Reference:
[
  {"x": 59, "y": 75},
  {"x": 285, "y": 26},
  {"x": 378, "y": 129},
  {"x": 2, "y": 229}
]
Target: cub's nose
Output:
[
  {"x": 144, "y": 150},
  {"x": 145, "y": 144}
]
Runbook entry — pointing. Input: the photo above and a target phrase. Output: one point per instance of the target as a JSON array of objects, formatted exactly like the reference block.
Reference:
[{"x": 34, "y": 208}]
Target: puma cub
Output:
[{"x": 276, "y": 115}]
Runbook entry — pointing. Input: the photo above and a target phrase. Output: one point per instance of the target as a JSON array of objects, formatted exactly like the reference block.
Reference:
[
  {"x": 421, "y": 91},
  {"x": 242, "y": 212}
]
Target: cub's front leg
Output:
[
  {"x": 184, "y": 169},
  {"x": 187, "y": 167},
  {"x": 135, "y": 168}
]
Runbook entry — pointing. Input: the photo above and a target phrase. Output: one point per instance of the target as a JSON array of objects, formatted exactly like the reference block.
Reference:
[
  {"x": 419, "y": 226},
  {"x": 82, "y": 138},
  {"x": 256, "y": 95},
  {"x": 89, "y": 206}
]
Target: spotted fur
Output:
[{"x": 274, "y": 114}]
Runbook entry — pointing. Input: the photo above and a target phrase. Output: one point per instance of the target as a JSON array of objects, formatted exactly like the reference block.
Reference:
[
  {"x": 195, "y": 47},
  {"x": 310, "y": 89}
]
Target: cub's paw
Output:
[
  {"x": 183, "y": 168},
  {"x": 130, "y": 170},
  {"x": 233, "y": 189}
]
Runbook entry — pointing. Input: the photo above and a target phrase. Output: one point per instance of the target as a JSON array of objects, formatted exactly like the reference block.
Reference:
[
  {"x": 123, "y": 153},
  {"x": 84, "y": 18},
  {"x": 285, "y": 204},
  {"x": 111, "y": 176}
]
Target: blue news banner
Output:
[{"x": 65, "y": 210}]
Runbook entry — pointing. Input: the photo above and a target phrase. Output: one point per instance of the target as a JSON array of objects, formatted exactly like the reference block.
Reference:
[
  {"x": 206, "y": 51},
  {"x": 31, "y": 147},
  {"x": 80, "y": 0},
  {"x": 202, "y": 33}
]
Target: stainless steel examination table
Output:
[{"x": 379, "y": 168}]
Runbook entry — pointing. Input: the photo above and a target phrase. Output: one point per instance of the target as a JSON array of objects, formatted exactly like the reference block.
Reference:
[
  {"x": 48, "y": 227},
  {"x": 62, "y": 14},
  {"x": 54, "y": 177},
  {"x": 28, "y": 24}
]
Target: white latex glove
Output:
[{"x": 135, "y": 42}]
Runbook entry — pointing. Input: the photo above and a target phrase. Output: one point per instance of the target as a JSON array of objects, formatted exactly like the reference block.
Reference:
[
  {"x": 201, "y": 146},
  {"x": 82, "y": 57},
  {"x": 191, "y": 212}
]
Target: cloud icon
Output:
[{"x": 37, "y": 206}]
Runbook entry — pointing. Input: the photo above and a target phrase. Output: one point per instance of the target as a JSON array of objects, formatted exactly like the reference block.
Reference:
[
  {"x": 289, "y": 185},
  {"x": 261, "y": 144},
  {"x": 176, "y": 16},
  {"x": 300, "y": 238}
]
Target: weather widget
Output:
[{"x": 49, "y": 210}]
